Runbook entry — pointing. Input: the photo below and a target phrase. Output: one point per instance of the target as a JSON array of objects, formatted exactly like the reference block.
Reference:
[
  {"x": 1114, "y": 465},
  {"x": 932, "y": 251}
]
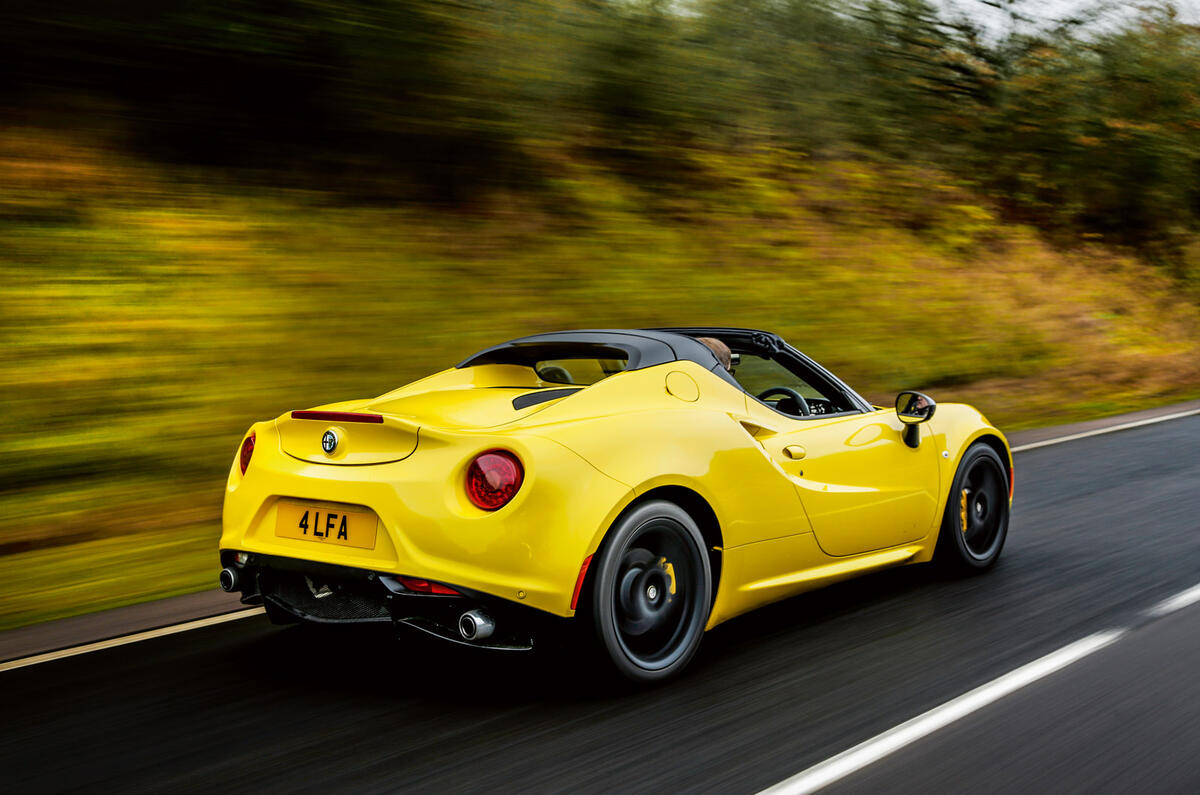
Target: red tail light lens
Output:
[
  {"x": 247, "y": 451},
  {"x": 425, "y": 586},
  {"x": 579, "y": 581},
  {"x": 493, "y": 479}
]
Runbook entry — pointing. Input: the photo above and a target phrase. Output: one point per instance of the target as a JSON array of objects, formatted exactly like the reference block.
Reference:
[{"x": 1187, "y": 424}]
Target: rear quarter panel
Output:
[{"x": 529, "y": 551}]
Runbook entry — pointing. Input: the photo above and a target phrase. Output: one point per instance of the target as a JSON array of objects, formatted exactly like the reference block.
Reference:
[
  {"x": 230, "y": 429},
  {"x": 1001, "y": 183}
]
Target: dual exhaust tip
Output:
[
  {"x": 476, "y": 625},
  {"x": 472, "y": 625}
]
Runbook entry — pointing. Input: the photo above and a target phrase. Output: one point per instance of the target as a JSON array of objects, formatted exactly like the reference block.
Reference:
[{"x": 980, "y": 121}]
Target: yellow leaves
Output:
[
  {"x": 959, "y": 227},
  {"x": 975, "y": 213},
  {"x": 1124, "y": 125}
]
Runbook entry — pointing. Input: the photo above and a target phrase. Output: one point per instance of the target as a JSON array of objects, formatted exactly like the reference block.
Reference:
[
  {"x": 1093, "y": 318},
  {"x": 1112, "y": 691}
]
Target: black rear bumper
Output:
[{"x": 321, "y": 593}]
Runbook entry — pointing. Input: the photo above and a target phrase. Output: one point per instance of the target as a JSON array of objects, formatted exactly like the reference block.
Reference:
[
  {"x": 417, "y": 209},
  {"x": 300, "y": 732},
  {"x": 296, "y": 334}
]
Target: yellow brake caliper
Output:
[
  {"x": 962, "y": 511},
  {"x": 670, "y": 570}
]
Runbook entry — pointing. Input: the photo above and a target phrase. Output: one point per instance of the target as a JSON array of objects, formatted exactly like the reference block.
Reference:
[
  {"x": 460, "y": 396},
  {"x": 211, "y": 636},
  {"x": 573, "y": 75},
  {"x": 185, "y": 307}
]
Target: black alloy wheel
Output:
[
  {"x": 652, "y": 592},
  {"x": 976, "y": 520}
]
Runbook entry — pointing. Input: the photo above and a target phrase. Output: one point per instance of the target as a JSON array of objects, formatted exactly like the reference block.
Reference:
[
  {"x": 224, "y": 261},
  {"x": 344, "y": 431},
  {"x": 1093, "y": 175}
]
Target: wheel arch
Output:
[
  {"x": 962, "y": 426},
  {"x": 942, "y": 549},
  {"x": 996, "y": 443},
  {"x": 695, "y": 505}
]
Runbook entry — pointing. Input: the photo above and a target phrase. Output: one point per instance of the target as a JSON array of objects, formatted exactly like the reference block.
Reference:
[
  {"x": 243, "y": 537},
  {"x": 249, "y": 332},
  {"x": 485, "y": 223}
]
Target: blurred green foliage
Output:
[
  {"x": 215, "y": 211},
  {"x": 1078, "y": 126}
]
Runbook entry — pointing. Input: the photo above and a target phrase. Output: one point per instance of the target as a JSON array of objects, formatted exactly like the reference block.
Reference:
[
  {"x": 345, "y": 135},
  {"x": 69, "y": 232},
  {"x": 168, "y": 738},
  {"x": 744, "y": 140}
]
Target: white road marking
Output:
[
  {"x": 867, "y": 753},
  {"x": 1111, "y": 429},
  {"x": 124, "y": 639},
  {"x": 876, "y": 748},
  {"x": 1176, "y": 602}
]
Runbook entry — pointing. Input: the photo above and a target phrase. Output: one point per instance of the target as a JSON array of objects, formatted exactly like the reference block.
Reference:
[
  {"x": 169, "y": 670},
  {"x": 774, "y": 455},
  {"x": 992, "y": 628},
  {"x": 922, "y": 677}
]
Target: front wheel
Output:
[
  {"x": 652, "y": 592},
  {"x": 976, "y": 520}
]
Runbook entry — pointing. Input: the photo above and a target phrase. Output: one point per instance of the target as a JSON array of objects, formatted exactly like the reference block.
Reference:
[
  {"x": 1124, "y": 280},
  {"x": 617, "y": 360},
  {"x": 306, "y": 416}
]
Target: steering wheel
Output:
[{"x": 787, "y": 391}]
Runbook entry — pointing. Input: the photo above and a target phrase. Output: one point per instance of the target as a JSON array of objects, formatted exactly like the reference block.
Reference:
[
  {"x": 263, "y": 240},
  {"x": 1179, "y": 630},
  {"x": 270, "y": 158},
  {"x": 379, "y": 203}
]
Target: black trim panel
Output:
[{"x": 542, "y": 396}]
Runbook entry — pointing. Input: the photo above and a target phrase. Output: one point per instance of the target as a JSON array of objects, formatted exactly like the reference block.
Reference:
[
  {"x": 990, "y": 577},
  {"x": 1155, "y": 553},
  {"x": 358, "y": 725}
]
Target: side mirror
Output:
[{"x": 913, "y": 408}]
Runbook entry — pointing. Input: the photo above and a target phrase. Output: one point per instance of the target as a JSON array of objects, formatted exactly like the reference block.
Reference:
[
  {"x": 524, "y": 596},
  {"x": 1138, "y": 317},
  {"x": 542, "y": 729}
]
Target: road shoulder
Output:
[{"x": 92, "y": 627}]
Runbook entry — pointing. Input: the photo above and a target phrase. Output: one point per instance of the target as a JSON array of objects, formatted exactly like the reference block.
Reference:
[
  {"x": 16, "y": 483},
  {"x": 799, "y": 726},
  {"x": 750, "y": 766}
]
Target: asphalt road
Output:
[{"x": 1103, "y": 528}]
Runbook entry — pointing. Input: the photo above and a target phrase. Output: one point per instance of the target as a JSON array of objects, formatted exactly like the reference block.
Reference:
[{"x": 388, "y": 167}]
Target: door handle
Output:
[{"x": 795, "y": 452}]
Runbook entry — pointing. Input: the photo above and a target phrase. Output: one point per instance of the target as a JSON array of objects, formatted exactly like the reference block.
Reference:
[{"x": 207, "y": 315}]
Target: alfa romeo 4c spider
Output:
[{"x": 649, "y": 483}]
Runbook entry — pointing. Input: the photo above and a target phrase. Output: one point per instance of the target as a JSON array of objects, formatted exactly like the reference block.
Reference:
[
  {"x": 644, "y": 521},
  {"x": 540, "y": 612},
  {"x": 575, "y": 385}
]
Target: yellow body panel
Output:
[
  {"x": 863, "y": 488},
  {"x": 799, "y": 502},
  {"x": 428, "y": 528}
]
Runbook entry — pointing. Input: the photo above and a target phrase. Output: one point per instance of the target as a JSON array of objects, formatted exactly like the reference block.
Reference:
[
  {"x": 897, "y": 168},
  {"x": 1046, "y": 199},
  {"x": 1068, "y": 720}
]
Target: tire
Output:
[
  {"x": 652, "y": 593},
  {"x": 975, "y": 523}
]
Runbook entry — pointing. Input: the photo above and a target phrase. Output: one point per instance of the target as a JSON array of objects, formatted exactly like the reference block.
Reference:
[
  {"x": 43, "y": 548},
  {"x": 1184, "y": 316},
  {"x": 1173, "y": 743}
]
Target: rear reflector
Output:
[
  {"x": 425, "y": 586},
  {"x": 579, "y": 581},
  {"x": 337, "y": 416}
]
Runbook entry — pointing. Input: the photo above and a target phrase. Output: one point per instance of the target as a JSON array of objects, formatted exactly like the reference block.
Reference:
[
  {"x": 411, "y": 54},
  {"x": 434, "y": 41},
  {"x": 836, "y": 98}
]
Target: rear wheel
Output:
[
  {"x": 976, "y": 520},
  {"x": 652, "y": 592}
]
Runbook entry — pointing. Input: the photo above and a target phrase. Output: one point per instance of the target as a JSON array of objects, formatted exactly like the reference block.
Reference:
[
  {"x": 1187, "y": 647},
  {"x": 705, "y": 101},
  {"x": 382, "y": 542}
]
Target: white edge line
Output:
[
  {"x": 876, "y": 748},
  {"x": 1112, "y": 429},
  {"x": 124, "y": 639},
  {"x": 1176, "y": 602}
]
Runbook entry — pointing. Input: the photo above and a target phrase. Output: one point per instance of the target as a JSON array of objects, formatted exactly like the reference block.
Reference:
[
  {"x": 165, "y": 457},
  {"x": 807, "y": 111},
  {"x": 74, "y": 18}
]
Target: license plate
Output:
[{"x": 327, "y": 524}]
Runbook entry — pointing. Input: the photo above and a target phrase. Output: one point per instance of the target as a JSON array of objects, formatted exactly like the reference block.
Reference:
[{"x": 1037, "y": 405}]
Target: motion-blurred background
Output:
[{"x": 214, "y": 211}]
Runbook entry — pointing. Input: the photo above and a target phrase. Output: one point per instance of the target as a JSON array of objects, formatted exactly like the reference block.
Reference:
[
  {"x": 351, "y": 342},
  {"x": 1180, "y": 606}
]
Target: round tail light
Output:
[
  {"x": 247, "y": 451},
  {"x": 493, "y": 479}
]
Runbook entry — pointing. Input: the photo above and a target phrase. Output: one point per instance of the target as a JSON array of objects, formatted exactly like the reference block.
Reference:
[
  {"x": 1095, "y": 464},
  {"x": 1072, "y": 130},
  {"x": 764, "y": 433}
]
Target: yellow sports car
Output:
[{"x": 652, "y": 483}]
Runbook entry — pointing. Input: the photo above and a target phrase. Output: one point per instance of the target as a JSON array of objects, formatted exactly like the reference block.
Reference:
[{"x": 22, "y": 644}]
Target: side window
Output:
[
  {"x": 757, "y": 374},
  {"x": 760, "y": 375}
]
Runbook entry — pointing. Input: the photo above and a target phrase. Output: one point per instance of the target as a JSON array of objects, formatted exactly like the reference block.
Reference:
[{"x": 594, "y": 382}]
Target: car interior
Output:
[{"x": 784, "y": 384}]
